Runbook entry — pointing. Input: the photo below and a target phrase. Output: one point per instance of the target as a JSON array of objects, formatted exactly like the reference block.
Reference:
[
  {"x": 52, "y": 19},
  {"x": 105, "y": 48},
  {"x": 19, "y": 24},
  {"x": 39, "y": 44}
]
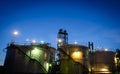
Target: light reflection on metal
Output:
[
  {"x": 45, "y": 56},
  {"x": 77, "y": 55},
  {"x": 115, "y": 60},
  {"x": 104, "y": 70},
  {"x": 47, "y": 66},
  {"x": 35, "y": 53},
  {"x": 101, "y": 69}
]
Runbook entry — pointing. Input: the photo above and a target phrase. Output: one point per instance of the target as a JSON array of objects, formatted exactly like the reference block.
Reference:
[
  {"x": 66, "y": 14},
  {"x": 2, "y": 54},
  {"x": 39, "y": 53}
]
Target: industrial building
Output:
[
  {"x": 74, "y": 59},
  {"x": 29, "y": 58},
  {"x": 66, "y": 58},
  {"x": 102, "y": 61},
  {"x": 79, "y": 59}
]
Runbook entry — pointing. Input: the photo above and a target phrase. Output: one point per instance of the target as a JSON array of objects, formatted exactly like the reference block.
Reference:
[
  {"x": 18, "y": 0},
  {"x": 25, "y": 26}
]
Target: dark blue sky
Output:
[{"x": 85, "y": 20}]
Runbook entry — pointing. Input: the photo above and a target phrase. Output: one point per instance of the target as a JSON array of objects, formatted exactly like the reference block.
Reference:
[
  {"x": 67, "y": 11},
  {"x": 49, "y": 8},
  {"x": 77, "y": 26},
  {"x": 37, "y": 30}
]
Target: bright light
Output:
[
  {"x": 15, "y": 32},
  {"x": 35, "y": 53},
  {"x": 33, "y": 41},
  {"x": 77, "y": 55},
  {"x": 60, "y": 40},
  {"x": 104, "y": 69},
  {"x": 47, "y": 65},
  {"x": 75, "y": 42},
  {"x": 116, "y": 60},
  {"x": 42, "y": 42},
  {"x": 106, "y": 49}
]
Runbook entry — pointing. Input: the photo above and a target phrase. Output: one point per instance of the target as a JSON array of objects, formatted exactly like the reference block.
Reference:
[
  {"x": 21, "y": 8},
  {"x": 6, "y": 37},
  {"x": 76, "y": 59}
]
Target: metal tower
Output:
[{"x": 62, "y": 38}]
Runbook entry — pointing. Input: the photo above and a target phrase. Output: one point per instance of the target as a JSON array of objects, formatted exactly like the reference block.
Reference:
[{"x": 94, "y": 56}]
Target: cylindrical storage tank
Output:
[
  {"x": 29, "y": 58},
  {"x": 102, "y": 61},
  {"x": 79, "y": 55}
]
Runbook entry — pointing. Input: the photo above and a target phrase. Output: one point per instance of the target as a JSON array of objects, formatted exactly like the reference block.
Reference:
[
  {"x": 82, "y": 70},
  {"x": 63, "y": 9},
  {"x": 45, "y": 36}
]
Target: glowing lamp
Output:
[
  {"x": 106, "y": 49},
  {"x": 60, "y": 40},
  {"x": 15, "y": 32},
  {"x": 33, "y": 41},
  {"x": 75, "y": 42}
]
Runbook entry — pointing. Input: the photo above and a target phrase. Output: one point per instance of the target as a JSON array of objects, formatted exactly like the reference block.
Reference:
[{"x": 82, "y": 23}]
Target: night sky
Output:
[{"x": 87, "y": 20}]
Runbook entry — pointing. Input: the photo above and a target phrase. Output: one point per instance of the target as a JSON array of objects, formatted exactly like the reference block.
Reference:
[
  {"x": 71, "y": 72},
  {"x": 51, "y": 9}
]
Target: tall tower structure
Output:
[{"x": 62, "y": 38}]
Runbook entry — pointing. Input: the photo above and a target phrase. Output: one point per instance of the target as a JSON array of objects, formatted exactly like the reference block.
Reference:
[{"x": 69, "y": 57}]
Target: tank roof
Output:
[{"x": 40, "y": 45}]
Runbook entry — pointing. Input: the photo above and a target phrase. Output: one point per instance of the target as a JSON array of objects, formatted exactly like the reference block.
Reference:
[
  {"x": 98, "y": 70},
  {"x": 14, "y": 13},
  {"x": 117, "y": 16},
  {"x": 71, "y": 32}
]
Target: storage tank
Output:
[
  {"x": 29, "y": 58},
  {"x": 80, "y": 56},
  {"x": 78, "y": 53},
  {"x": 102, "y": 61}
]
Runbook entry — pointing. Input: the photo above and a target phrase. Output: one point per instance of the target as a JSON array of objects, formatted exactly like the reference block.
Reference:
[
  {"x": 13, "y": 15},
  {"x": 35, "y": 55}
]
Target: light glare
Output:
[
  {"x": 106, "y": 49},
  {"x": 15, "y": 32},
  {"x": 104, "y": 69},
  {"x": 77, "y": 55},
  {"x": 35, "y": 53},
  {"x": 60, "y": 40},
  {"x": 42, "y": 42},
  {"x": 33, "y": 41},
  {"x": 75, "y": 42}
]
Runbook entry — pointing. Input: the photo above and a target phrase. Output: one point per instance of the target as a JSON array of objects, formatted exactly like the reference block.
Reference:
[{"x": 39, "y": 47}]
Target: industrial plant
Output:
[{"x": 66, "y": 58}]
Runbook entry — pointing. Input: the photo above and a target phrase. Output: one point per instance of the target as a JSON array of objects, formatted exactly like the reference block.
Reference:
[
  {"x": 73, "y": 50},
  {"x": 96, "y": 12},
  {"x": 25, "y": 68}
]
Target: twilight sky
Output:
[{"x": 86, "y": 20}]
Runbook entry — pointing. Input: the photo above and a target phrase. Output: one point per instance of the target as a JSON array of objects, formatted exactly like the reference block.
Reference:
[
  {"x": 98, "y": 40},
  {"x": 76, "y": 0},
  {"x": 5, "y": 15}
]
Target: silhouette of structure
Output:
[
  {"x": 62, "y": 39},
  {"x": 71, "y": 58}
]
